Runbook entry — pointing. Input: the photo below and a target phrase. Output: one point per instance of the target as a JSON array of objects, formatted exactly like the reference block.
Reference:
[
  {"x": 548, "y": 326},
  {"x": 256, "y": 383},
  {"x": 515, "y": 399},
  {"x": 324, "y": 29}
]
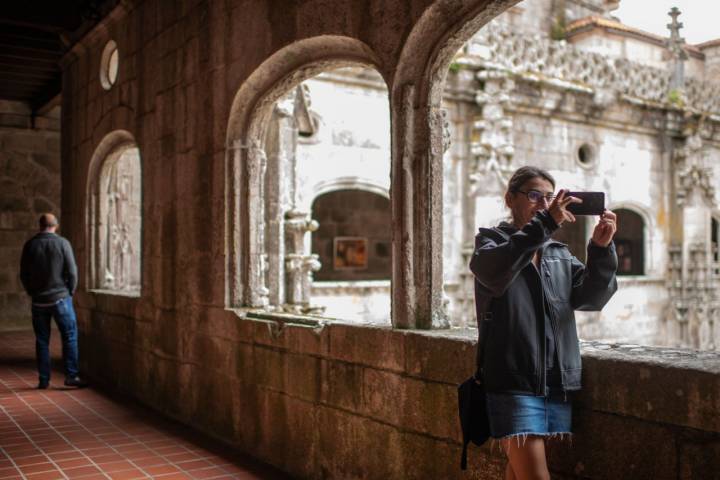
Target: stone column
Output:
[
  {"x": 693, "y": 297},
  {"x": 299, "y": 265},
  {"x": 256, "y": 293},
  {"x": 280, "y": 147}
]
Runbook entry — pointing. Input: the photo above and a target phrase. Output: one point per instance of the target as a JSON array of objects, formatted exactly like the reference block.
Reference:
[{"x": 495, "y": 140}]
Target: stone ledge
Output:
[
  {"x": 668, "y": 385},
  {"x": 108, "y": 302}
]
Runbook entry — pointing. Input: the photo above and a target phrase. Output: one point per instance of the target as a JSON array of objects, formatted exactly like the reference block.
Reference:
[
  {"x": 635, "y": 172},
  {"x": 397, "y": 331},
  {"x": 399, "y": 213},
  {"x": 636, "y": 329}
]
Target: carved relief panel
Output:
[{"x": 117, "y": 223}]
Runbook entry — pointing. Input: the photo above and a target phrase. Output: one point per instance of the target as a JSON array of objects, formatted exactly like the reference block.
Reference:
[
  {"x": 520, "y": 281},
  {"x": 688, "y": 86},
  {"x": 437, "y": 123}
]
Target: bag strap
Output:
[{"x": 463, "y": 457}]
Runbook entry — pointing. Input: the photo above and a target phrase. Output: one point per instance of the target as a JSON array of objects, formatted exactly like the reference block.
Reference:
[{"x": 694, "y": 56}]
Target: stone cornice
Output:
[
  {"x": 591, "y": 23},
  {"x": 558, "y": 63}
]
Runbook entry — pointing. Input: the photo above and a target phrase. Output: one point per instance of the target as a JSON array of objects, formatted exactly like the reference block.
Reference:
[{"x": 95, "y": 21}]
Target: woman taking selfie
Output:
[{"x": 527, "y": 287}]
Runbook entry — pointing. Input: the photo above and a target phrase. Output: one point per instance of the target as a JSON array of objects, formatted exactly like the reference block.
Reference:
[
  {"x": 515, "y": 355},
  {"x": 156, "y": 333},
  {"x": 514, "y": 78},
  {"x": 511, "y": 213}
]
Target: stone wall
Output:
[
  {"x": 29, "y": 186},
  {"x": 345, "y": 401},
  {"x": 712, "y": 61},
  {"x": 194, "y": 83}
]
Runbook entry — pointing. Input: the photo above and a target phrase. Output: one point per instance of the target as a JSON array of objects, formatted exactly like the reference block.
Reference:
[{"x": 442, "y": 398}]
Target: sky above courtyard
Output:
[{"x": 700, "y": 18}]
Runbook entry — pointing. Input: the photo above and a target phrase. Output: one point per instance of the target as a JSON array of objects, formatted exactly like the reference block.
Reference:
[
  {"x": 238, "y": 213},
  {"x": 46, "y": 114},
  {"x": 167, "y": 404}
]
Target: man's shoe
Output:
[
  {"x": 43, "y": 385},
  {"x": 75, "y": 382}
]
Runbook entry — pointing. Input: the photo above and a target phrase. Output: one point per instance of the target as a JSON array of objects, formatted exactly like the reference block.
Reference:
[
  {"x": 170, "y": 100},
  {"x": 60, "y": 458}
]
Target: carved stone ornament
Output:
[
  {"x": 120, "y": 222},
  {"x": 541, "y": 58},
  {"x": 439, "y": 120},
  {"x": 493, "y": 151},
  {"x": 299, "y": 264},
  {"x": 691, "y": 174},
  {"x": 257, "y": 290},
  {"x": 694, "y": 301}
]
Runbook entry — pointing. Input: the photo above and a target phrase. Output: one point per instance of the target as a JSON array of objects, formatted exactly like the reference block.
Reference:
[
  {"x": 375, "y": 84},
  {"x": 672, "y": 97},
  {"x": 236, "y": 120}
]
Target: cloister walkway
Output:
[{"x": 63, "y": 433}]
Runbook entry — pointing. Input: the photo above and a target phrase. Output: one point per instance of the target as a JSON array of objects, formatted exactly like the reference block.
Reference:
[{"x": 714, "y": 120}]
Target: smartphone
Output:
[{"x": 593, "y": 203}]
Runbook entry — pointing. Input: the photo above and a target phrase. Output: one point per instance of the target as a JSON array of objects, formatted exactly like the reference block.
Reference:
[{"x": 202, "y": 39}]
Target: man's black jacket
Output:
[
  {"x": 47, "y": 268},
  {"x": 509, "y": 296}
]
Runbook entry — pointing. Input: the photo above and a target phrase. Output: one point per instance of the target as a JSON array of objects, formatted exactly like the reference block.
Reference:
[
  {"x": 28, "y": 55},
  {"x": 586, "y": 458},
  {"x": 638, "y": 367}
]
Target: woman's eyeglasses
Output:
[{"x": 535, "y": 196}]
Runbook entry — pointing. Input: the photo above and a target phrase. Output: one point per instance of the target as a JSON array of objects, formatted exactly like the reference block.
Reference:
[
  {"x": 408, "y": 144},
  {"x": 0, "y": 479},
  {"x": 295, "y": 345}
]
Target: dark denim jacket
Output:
[{"x": 509, "y": 296}]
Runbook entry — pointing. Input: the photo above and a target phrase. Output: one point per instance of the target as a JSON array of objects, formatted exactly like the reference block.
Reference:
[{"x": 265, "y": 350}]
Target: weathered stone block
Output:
[
  {"x": 431, "y": 408},
  {"x": 424, "y": 457},
  {"x": 373, "y": 346},
  {"x": 269, "y": 366},
  {"x": 383, "y": 396},
  {"x": 679, "y": 387},
  {"x": 338, "y": 453},
  {"x": 607, "y": 446},
  {"x": 700, "y": 458},
  {"x": 245, "y": 416},
  {"x": 303, "y": 377},
  {"x": 169, "y": 340},
  {"x": 437, "y": 357},
  {"x": 341, "y": 385},
  {"x": 213, "y": 352},
  {"x": 288, "y": 433},
  {"x": 243, "y": 363}
]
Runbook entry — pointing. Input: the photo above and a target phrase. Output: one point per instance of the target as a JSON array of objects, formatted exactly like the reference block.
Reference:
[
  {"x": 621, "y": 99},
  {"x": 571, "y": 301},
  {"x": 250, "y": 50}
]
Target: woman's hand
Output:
[
  {"x": 557, "y": 208},
  {"x": 605, "y": 229}
]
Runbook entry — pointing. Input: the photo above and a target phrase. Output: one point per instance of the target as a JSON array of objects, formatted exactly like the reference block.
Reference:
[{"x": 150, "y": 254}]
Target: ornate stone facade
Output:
[{"x": 594, "y": 121}]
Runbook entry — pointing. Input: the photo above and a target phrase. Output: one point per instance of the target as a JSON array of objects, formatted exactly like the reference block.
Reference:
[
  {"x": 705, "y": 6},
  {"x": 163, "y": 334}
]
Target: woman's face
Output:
[{"x": 521, "y": 207}]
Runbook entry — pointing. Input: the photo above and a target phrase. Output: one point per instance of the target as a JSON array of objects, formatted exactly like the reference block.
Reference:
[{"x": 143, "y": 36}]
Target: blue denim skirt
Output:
[{"x": 513, "y": 415}]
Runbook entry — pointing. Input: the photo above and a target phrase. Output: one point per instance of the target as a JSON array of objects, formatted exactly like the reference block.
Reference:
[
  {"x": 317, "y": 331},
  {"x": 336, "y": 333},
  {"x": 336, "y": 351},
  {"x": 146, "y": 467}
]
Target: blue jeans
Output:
[
  {"x": 513, "y": 415},
  {"x": 66, "y": 322}
]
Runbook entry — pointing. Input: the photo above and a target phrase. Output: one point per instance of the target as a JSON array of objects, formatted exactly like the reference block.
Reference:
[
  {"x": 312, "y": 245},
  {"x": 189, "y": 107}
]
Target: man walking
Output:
[{"x": 49, "y": 275}]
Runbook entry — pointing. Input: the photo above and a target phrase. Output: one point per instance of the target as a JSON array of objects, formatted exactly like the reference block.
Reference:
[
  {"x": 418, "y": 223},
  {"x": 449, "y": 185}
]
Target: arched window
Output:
[
  {"x": 328, "y": 132},
  {"x": 630, "y": 242},
  {"x": 115, "y": 218},
  {"x": 353, "y": 238}
]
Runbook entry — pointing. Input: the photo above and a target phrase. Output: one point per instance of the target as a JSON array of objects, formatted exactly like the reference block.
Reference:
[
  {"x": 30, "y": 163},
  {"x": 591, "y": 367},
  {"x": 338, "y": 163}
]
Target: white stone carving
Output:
[
  {"x": 695, "y": 305},
  {"x": 257, "y": 294},
  {"x": 119, "y": 222},
  {"x": 536, "y": 56},
  {"x": 439, "y": 120},
  {"x": 493, "y": 151},
  {"x": 299, "y": 264},
  {"x": 691, "y": 173}
]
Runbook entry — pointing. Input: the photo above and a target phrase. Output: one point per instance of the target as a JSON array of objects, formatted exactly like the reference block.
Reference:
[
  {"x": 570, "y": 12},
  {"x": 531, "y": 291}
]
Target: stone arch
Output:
[
  {"x": 418, "y": 127},
  {"x": 114, "y": 215},
  {"x": 648, "y": 230},
  {"x": 441, "y": 31},
  {"x": 245, "y": 157},
  {"x": 347, "y": 183}
]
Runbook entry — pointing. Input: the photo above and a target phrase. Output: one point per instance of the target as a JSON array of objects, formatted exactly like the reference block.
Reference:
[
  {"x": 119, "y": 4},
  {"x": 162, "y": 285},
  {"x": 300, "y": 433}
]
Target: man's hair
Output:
[
  {"x": 47, "y": 220},
  {"x": 523, "y": 174}
]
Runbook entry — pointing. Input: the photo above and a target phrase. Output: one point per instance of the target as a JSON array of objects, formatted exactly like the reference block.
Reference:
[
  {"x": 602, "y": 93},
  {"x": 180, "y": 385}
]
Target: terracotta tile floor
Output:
[{"x": 63, "y": 433}]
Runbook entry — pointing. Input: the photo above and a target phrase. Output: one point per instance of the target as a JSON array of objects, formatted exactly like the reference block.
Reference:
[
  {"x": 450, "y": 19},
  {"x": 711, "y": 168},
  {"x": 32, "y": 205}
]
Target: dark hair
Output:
[
  {"x": 47, "y": 220},
  {"x": 523, "y": 174}
]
